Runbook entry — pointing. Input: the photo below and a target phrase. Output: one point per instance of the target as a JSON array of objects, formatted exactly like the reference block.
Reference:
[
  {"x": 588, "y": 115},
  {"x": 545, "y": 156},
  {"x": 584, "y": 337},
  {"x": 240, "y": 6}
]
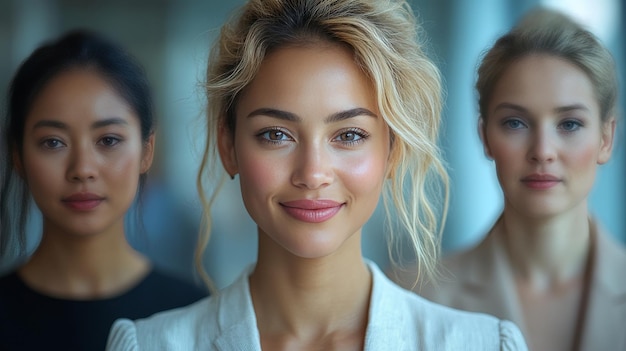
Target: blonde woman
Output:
[
  {"x": 547, "y": 97},
  {"x": 316, "y": 107}
]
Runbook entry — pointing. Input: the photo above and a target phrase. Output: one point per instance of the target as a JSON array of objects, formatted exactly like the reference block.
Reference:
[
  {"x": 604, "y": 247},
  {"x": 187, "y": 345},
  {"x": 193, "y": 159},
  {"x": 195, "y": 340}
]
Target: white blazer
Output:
[{"x": 398, "y": 320}]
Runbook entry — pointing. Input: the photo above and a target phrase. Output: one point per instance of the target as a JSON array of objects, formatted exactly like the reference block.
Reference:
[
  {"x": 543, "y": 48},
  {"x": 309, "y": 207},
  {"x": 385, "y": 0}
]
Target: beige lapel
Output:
[
  {"x": 605, "y": 327},
  {"x": 488, "y": 281}
]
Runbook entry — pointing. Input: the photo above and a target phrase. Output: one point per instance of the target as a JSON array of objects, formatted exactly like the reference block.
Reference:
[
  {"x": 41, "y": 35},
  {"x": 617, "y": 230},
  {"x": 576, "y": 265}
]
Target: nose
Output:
[
  {"x": 543, "y": 148},
  {"x": 82, "y": 164},
  {"x": 313, "y": 167}
]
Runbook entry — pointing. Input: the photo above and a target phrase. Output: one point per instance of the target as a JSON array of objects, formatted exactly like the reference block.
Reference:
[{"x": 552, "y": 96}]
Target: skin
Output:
[
  {"x": 310, "y": 287},
  {"x": 82, "y": 138},
  {"x": 544, "y": 120}
]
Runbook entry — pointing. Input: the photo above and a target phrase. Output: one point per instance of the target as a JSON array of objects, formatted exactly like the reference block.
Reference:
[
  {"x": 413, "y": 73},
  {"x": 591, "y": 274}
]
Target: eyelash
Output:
[
  {"x": 577, "y": 124},
  {"x": 507, "y": 123},
  {"x": 267, "y": 131},
  {"x": 362, "y": 135},
  {"x": 46, "y": 143},
  {"x": 114, "y": 139}
]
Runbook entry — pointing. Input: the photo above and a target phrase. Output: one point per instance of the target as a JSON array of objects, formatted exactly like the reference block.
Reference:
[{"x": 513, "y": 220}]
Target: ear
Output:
[
  {"x": 226, "y": 148},
  {"x": 483, "y": 138},
  {"x": 606, "y": 146},
  {"x": 148, "y": 154}
]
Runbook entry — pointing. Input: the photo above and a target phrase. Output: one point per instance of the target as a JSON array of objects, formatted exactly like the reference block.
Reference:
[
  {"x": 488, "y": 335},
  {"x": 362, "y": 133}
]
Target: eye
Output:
[
  {"x": 513, "y": 124},
  {"x": 274, "y": 135},
  {"x": 52, "y": 143},
  {"x": 351, "y": 136},
  {"x": 570, "y": 126},
  {"x": 109, "y": 141}
]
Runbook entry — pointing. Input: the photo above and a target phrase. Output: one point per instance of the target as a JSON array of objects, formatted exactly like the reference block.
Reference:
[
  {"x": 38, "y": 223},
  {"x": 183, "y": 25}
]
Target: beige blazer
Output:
[{"x": 481, "y": 280}]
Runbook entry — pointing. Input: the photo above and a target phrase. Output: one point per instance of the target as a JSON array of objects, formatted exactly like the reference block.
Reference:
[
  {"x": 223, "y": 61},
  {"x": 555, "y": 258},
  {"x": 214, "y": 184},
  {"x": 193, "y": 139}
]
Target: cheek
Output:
[
  {"x": 363, "y": 171},
  {"x": 257, "y": 173},
  {"x": 42, "y": 174},
  {"x": 124, "y": 170},
  {"x": 583, "y": 156}
]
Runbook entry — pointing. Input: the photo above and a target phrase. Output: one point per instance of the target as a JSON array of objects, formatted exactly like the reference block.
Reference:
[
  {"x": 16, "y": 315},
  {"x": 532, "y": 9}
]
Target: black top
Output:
[{"x": 32, "y": 321}]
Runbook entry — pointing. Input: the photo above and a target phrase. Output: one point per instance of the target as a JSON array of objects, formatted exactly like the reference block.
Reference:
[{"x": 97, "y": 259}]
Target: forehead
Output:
[
  {"x": 312, "y": 77},
  {"x": 79, "y": 95},
  {"x": 544, "y": 80}
]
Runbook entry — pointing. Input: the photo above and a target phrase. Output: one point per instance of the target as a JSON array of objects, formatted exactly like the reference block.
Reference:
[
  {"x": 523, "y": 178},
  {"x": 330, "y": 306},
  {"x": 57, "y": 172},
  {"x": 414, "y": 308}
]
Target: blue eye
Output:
[
  {"x": 570, "y": 126},
  {"x": 514, "y": 124}
]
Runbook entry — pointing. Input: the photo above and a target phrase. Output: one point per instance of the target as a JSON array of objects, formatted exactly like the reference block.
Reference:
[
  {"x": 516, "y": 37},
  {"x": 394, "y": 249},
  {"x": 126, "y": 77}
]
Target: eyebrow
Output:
[
  {"x": 292, "y": 117},
  {"x": 561, "y": 109},
  {"x": 506, "y": 105},
  {"x": 572, "y": 108},
  {"x": 95, "y": 125}
]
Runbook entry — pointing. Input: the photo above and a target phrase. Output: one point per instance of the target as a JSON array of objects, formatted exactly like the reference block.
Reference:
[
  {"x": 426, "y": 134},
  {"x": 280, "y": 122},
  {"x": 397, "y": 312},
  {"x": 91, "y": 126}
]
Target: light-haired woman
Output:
[
  {"x": 316, "y": 107},
  {"x": 547, "y": 98}
]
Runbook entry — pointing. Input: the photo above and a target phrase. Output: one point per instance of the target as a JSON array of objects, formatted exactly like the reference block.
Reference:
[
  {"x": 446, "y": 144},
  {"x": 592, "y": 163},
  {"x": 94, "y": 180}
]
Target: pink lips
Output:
[
  {"x": 312, "y": 211},
  {"x": 82, "y": 201},
  {"x": 540, "y": 181}
]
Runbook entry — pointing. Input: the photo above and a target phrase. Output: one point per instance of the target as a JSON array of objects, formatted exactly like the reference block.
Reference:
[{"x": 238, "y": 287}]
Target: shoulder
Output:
[
  {"x": 175, "y": 329},
  {"x": 196, "y": 326},
  {"x": 456, "y": 329},
  {"x": 434, "y": 326}
]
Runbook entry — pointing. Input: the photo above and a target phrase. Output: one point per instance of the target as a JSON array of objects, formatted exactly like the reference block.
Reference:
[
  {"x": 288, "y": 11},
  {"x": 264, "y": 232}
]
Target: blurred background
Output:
[{"x": 172, "y": 40}]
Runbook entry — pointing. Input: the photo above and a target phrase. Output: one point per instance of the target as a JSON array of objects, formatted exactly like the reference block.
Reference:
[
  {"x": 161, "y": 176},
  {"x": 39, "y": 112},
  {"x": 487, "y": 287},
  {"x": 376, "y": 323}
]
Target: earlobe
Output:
[
  {"x": 226, "y": 149},
  {"x": 483, "y": 138},
  {"x": 606, "y": 146},
  {"x": 148, "y": 154}
]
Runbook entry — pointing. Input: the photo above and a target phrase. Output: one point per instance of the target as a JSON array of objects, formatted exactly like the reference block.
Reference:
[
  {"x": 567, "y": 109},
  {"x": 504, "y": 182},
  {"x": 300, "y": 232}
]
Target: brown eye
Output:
[
  {"x": 109, "y": 141},
  {"x": 52, "y": 144},
  {"x": 349, "y": 136},
  {"x": 275, "y": 135}
]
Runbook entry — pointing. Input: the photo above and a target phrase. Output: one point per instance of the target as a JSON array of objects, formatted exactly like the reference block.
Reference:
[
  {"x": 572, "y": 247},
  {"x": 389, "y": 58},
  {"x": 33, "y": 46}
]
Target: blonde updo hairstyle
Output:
[{"x": 384, "y": 37}]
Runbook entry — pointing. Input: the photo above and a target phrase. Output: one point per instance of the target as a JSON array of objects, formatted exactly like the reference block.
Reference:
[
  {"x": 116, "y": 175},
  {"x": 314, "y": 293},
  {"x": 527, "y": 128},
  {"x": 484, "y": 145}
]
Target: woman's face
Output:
[
  {"x": 82, "y": 154},
  {"x": 310, "y": 147},
  {"x": 544, "y": 132}
]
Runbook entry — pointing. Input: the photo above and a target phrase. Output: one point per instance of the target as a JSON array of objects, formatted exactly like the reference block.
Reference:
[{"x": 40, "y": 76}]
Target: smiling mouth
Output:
[{"x": 312, "y": 211}]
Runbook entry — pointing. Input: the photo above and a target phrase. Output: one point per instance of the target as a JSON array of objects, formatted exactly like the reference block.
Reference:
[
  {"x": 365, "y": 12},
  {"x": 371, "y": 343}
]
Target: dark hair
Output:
[
  {"x": 77, "y": 49},
  {"x": 545, "y": 31}
]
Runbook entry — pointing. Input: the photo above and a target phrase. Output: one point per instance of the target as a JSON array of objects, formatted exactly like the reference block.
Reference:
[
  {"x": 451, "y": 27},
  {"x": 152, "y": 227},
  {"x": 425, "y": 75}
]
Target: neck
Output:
[
  {"x": 311, "y": 299},
  {"x": 548, "y": 251},
  {"x": 83, "y": 267}
]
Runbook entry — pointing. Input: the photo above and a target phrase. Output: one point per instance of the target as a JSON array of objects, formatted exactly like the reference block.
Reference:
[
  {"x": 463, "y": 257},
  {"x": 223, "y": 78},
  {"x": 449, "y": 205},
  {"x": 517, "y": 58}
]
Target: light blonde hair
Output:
[
  {"x": 545, "y": 31},
  {"x": 385, "y": 40}
]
